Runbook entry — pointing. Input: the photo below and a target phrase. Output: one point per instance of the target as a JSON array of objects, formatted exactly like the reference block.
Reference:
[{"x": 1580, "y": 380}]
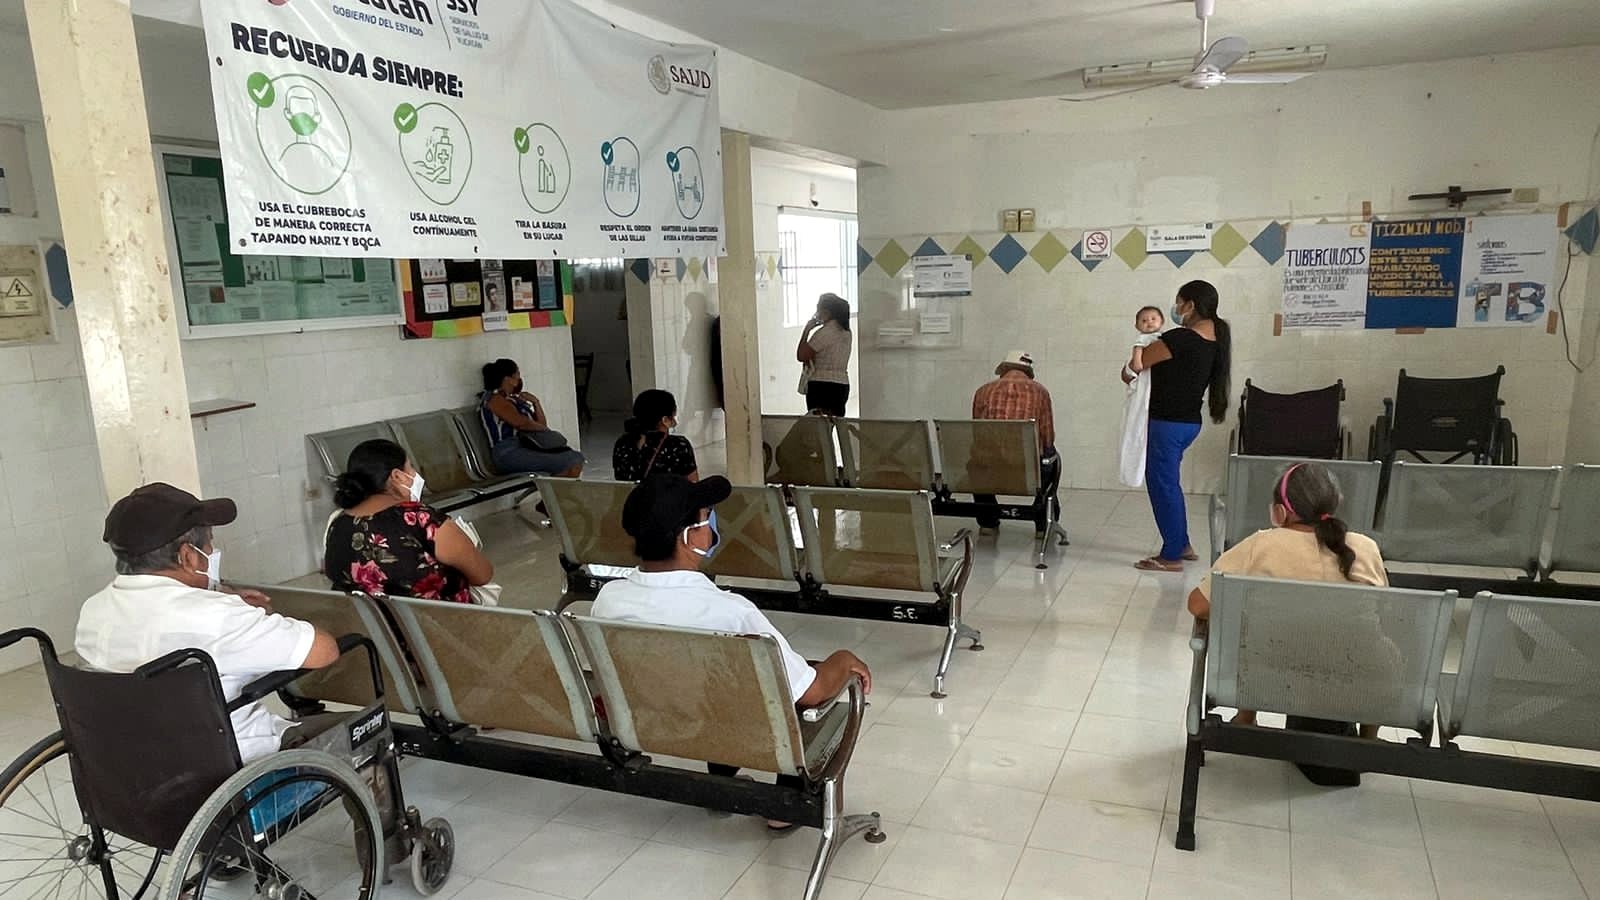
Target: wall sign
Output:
[
  {"x": 942, "y": 276},
  {"x": 465, "y": 129},
  {"x": 1508, "y": 271},
  {"x": 1097, "y": 244},
  {"x": 1414, "y": 280},
  {"x": 1173, "y": 238},
  {"x": 1325, "y": 276}
]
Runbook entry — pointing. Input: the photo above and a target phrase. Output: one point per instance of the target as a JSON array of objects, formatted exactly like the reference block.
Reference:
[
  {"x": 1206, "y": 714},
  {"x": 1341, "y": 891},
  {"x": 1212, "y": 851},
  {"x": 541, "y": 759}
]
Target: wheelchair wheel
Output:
[
  {"x": 46, "y": 850},
  {"x": 295, "y": 825},
  {"x": 432, "y": 856}
]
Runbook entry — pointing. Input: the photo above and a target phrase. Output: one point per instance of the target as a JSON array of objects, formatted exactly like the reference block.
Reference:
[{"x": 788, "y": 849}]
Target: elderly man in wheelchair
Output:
[{"x": 170, "y": 770}]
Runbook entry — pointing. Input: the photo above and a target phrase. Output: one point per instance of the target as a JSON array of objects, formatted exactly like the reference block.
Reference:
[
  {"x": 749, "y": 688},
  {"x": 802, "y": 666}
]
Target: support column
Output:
[
  {"x": 105, "y": 175},
  {"x": 736, "y": 293}
]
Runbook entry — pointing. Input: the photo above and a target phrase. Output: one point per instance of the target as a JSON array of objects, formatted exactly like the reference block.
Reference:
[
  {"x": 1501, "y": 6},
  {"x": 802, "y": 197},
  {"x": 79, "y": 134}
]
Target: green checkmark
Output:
[
  {"x": 405, "y": 118},
  {"x": 521, "y": 137},
  {"x": 261, "y": 90}
]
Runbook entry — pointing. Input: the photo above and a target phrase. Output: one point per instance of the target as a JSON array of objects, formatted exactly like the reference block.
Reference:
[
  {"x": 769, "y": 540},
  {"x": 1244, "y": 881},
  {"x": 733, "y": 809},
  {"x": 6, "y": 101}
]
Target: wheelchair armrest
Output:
[
  {"x": 273, "y": 682},
  {"x": 47, "y": 649}
]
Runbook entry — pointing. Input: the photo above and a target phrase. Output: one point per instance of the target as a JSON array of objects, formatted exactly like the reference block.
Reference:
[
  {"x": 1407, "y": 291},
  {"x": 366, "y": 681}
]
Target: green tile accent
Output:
[
  {"x": 1131, "y": 248},
  {"x": 694, "y": 268},
  {"x": 1227, "y": 244},
  {"x": 971, "y": 248},
  {"x": 1049, "y": 252},
  {"x": 892, "y": 258}
]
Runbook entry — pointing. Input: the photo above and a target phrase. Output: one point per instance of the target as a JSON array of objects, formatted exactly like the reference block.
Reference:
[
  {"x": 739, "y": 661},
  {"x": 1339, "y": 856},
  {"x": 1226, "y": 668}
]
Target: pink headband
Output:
[{"x": 1283, "y": 490}]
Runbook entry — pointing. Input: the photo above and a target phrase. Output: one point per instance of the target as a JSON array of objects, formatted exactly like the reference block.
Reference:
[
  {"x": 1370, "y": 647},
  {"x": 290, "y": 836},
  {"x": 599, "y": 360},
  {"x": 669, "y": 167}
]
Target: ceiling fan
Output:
[{"x": 1227, "y": 61}]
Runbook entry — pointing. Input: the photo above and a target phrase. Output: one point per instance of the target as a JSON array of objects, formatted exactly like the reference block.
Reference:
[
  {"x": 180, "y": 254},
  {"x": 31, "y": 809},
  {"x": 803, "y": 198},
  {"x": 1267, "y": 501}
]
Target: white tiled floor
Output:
[{"x": 1051, "y": 771}]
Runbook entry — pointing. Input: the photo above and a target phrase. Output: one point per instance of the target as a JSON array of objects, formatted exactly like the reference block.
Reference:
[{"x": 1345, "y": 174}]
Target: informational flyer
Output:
[
  {"x": 462, "y": 129},
  {"x": 522, "y": 295},
  {"x": 436, "y": 298},
  {"x": 434, "y": 270},
  {"x": 494, "y": 286},
  {"x": 549, "y": 297},
  {"x": 1414, "y": 274},
  {"x": 466, "y": 294},
  {"x": 1508, "y": 270},
  {"x": 1325, "y": 276},
  {"x": 942, "y": 276}
]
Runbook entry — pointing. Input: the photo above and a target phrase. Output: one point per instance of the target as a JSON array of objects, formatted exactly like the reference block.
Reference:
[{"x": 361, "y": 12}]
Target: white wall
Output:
[
  {"x": 1299, "y": 152},
  {"x": 599, "y": 330},
  {"x": 774, "y": 184},
  {"x": 669, "y": 323}
]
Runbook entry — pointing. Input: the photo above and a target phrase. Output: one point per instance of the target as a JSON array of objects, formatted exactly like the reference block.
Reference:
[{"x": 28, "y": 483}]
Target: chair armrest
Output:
[
  {"x": 964, "y": 534},
  {"x": 856, "y": 694},
  {"x": 277, "y": 681},
  {"x": 1197, "y": 677},
  {"x": 963, "y": 571},
  {"x": 1218, "y": 521}
]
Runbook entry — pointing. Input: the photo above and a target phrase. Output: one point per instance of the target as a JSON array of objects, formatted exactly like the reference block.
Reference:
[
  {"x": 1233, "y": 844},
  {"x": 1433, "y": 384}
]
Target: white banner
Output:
[
  {"x": 1508, "y": 270},
  {"x": 1325, "y": 276},
  {"x": 1179, "y": 238},
  {"x": 512, "y": 129}
]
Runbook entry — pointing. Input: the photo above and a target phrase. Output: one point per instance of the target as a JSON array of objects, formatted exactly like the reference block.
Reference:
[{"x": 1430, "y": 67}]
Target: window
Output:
[{"x": 817, "y": 256}]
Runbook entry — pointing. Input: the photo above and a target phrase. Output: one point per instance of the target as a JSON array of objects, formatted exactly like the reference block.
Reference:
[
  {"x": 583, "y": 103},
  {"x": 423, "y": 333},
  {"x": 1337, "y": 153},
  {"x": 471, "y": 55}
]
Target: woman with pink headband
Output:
[{"x": 1308, "y": 542}]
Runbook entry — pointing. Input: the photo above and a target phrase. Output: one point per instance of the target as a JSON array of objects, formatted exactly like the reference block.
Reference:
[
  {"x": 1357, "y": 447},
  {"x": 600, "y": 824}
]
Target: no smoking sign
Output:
[{"x": 1097, "y": 244}]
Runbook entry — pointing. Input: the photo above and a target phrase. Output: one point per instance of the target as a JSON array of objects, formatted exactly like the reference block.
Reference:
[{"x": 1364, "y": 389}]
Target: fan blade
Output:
[
  {"x": 1224, "y": 53},
  {"x": 1267, "y": 77},
  {"x": 1107, "y": 96}
]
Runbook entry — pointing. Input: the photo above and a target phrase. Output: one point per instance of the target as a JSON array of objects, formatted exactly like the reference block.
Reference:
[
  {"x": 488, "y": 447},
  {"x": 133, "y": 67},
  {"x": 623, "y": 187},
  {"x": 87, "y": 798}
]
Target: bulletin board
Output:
[
  {"x": 446, "y": 298},
  {"x": 224, "y": 295}
]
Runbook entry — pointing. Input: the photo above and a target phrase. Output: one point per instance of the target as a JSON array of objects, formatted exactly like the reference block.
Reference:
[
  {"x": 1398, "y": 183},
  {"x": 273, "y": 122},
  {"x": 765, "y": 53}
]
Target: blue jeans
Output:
[{"x": 1162, "y": 458}]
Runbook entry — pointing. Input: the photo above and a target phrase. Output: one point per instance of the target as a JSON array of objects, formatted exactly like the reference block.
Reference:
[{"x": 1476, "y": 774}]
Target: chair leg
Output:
[
  {"x": 955, "y": 632},
  {"x": 1193, "y": 759},
  {"x": 836, "y": 829}
]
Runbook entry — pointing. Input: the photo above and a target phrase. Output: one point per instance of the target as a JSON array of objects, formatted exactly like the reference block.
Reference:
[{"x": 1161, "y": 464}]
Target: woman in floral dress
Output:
[{"x": 387, "y": 541}]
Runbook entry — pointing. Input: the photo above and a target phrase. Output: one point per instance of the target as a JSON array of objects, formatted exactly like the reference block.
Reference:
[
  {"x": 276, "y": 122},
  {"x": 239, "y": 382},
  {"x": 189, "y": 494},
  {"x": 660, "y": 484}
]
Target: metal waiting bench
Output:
[
  {"x": 1251, "y": 487},
  {"x": 1355, "y": 653},
  {"x": 946, "y": 457},
  {"x": 861, "y": 554},
  {"x": 471, "y": 668},
  {"x": 458, "y": 469}
]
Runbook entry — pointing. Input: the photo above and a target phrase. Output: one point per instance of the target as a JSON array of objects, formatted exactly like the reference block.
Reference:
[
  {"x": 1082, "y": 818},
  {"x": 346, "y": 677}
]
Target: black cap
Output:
[
  {"x": 158, "y": 514},
  {"x": 662, "y": 505}
]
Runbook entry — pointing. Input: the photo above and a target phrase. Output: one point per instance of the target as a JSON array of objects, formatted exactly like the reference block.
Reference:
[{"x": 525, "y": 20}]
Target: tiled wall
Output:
[{"x": 1032, "y": 292}]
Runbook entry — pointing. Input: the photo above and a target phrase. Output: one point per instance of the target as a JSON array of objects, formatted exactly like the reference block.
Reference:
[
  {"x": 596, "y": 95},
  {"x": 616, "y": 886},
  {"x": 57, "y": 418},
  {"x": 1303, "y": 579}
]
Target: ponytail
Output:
[
  {"x": 1309, "y": 492},
  {"x": 1204, "y": 297},
  {"x": 1331, "y": 534},
  {"x": 367, "y": 472}
]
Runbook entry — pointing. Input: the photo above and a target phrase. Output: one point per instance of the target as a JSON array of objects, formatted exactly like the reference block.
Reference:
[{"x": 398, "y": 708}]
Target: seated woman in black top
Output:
[
  {"x": 648, "y": 444},
  {"x": 1184, "y": 365},
  {"x": 386, "y": 541}
]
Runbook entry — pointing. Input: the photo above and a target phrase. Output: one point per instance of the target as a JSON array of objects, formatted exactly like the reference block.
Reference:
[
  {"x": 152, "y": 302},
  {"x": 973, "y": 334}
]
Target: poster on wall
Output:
[
  {"x": 1179, "y": 238},
  {"x": 1325, "y": 276},
  {"x": 1508, "y": 269},
  {"x": 1414, "y": 273},
  {"x": 942, "y": 276},
  {"x": 462, "y": 130}
]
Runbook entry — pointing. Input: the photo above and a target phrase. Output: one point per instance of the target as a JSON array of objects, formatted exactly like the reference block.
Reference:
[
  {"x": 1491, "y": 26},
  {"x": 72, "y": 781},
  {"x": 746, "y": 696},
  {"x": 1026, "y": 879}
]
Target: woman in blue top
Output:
[
  {"x": 1187, "y": 364},
  {"x": 508, "y": 414}
]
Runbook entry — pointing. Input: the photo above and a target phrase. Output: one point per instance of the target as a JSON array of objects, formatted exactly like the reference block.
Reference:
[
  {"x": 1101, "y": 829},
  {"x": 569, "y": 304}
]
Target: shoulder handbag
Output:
[
  {"x": 805, "y": 377},
  {"x": 547, "y": 440}
]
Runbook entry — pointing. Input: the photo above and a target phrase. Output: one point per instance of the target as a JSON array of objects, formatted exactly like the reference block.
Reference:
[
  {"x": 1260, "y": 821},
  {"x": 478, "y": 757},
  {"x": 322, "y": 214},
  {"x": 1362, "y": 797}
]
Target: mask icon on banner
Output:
[{"x": 300, "y": 108}]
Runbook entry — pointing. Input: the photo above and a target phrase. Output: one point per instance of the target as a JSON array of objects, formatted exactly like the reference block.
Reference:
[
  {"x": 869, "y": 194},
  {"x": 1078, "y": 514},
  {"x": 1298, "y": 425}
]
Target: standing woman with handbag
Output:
[
  {"x": 520, "y": 438},
  {"x": 824, "y": 355},
  {"x": 648, "y": 445}
]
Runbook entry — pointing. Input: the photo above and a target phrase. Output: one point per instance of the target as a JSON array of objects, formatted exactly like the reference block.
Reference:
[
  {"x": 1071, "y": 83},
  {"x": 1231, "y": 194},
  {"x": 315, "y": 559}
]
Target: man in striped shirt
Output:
[{"x": 1015, "y": 395}]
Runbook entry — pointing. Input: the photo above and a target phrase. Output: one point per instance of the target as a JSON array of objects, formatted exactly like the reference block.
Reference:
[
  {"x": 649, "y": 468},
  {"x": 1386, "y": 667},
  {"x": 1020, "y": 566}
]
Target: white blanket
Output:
[{"x": 1136, "y": 422}]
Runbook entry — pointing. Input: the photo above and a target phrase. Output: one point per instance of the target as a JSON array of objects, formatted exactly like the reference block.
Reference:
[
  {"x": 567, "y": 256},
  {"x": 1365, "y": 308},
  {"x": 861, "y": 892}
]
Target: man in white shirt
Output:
[
  {"x": 674, "y": 530},
  {"x": 168, "y": 596}
]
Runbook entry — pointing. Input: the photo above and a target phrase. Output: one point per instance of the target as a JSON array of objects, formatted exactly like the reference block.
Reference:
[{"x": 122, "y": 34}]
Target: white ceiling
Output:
[{"x": 907, "y": 53}]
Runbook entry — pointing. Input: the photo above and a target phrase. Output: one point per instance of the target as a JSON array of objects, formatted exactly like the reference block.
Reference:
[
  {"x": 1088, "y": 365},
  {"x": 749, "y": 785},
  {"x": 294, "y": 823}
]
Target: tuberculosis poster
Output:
[
  {"x": 1508, "y": 266},
  {"x": 1325, "y": 276},
  {"x": 461, "y": 129},
  {"x": 1447, "y": 272}
]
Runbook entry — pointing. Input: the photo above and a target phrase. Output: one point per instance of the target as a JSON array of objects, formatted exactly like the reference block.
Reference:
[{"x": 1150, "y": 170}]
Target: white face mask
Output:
[
  {"x": 213, "y": 570},
  {"x": 416, "y": 487}
]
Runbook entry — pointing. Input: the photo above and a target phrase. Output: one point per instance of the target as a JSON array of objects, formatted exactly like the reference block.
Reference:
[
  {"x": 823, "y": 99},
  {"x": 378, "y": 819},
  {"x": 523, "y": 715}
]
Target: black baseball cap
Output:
[
  {"x": 158, "y": 514},
  {"x": 662, "y": 505}
]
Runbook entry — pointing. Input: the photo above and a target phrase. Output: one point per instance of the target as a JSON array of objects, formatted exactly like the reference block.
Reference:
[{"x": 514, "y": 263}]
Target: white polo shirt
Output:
[
  {"x": 140, "y": 618},
  {"x": 691, "y": 600}
]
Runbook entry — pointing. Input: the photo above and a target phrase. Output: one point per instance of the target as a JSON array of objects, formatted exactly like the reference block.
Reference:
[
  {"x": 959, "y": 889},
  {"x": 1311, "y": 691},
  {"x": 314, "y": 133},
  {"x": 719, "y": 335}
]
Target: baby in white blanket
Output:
[{"x": 1136, "y": 414}]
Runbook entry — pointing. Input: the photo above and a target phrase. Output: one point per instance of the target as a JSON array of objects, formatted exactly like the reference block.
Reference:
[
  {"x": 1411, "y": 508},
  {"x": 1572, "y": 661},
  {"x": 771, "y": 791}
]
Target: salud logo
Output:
[{"x": 657, "y": 70}]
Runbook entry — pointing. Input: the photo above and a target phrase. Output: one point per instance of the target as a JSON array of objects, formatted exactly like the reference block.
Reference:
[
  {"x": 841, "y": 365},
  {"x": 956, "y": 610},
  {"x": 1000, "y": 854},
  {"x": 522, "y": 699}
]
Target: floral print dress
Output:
[{"x": 392, "y": 552}]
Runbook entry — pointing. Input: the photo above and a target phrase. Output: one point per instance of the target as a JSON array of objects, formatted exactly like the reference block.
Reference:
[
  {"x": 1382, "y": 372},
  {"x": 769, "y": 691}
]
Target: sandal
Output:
[
  {"x": 1189, "y": 555},
  {"x": 1157, "y": 564}
]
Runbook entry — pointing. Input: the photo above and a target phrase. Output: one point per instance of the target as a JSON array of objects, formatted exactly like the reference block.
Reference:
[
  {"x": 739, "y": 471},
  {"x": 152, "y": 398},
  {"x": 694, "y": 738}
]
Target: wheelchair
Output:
[
  {"x": 1452, "y": 418},
  {"x": 142, "y": 791},
  {"x": 1304, "y": 425}
]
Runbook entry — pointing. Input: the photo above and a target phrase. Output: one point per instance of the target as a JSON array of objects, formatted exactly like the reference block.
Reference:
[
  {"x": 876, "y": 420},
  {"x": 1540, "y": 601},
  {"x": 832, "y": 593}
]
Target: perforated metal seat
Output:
[
  {"x": 800, "y": 450},
  {"x": 1252, "y": 482},
  {"x": 333, "y": 447},
  {"x": 1472, "y": 516},
  {"x": 887, "y": 454},
  {"x": 1575, "y": 542},
  {"x": 988, "y": 457}
]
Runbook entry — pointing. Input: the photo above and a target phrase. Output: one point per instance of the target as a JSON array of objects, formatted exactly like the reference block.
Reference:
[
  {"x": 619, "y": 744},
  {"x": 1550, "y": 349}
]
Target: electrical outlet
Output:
[{"x": 1525, "y": 195}]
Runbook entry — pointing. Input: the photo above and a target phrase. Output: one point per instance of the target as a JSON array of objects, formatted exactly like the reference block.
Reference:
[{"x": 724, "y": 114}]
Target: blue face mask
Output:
[
  {"x": 1177, "y": 316},
  {"x": 716, "y": 536}
]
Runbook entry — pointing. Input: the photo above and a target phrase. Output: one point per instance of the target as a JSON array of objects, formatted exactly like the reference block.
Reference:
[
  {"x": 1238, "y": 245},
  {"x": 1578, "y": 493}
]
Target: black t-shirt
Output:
[
  {"x": 669, "y": 453},
  {"x": 1178, "y": 385}
]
